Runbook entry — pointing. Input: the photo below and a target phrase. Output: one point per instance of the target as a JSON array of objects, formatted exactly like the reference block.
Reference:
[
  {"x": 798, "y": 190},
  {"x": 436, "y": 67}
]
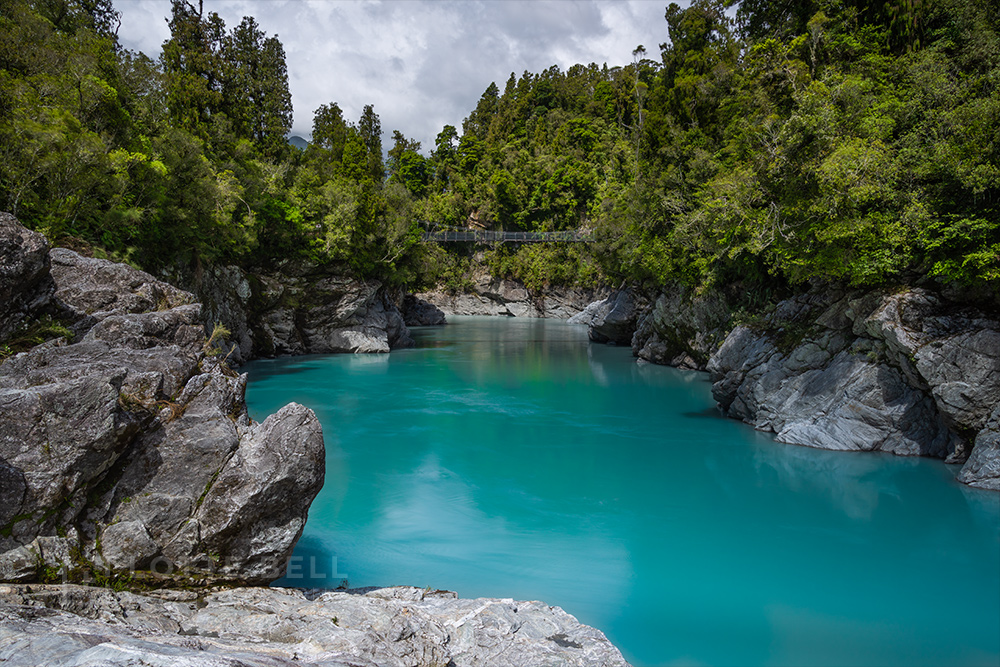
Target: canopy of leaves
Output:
[{"x": 838, "y": 140}]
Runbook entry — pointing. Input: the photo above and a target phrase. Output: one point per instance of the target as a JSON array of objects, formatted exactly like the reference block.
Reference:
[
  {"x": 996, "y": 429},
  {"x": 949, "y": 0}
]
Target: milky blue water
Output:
[{"x": 510, "y": 458}]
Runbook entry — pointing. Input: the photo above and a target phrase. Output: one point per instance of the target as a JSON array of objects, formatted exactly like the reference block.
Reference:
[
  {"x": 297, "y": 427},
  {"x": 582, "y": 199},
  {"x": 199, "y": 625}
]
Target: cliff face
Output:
[
  {"x": 908, "y": 372},
  {"x": 131, "y": 448},
  {"x": 300, "y": 308},
  {"x": 510, "y": 298}
]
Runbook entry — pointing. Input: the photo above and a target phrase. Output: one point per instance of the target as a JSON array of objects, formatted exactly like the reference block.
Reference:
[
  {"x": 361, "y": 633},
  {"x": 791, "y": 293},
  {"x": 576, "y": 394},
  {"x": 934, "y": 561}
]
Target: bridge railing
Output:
[{"x": 489, "y": 236}]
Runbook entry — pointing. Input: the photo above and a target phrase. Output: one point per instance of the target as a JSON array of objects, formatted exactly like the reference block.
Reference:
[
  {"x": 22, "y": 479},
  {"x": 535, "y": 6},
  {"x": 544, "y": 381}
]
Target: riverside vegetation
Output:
[{"x": 834, "y": 140}]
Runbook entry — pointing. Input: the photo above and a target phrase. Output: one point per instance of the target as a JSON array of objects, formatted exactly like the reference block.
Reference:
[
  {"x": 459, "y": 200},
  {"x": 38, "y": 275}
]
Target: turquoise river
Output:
[{"x": 512, "y": 458}]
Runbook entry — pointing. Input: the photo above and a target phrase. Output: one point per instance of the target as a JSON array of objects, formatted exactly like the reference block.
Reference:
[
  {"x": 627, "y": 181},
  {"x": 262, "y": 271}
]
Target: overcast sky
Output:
[{"x": 422, "y": 63}]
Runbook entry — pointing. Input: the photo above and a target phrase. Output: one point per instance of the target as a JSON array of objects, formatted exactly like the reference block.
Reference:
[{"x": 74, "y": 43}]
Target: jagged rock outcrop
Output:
[
  {"x": 418, "y": 313},
  {"x": 299, "y": 309},
  {"x": 271, "y": 626},
  {"x": 901, "y": 372},
  {"x": 682, "y": 329},
  {"x": 132, "y": 447},
  {"x": 25, "y": 284},
  {"x": 616, "y": 318}
]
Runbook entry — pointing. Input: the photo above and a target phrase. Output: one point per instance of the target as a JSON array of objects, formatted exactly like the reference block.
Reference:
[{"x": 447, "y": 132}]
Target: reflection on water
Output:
[{"x": 510, "y": 458}]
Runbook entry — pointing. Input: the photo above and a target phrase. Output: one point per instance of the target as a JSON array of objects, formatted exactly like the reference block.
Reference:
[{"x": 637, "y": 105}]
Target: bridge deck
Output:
[{"x": 483, "y": 236}]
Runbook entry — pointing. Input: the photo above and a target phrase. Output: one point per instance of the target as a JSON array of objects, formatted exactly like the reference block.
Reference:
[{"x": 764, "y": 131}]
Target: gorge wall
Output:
[
  {"x": 488, "y": 295},
  {"x": 298, "y": 308},
  {"x": 907, "y": 371}
]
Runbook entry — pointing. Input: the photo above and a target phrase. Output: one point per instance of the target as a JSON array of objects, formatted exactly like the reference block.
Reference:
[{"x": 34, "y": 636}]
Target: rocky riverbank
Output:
[
  {"x": 130, "y": 450},
  {"x": 267, "y": 627},
  {"x": 906, "y": 371},
  {"x": 502, "y": 297},
  {"x": 128, "y": 459},
  {"x": 297, "y": 308}
]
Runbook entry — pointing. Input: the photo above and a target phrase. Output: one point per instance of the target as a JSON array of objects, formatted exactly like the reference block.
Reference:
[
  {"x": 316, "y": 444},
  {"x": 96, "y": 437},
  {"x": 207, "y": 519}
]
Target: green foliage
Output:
[
  {"x": 840, "y": 140},
  {"x": 34, "y": 333}
]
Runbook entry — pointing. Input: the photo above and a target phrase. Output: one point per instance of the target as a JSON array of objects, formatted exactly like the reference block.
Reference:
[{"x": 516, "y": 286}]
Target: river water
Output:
[{"x": 508, "y": 457}]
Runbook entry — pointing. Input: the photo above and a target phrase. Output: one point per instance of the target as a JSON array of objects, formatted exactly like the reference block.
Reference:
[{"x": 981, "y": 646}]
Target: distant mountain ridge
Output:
[{"x": 298, "y": 142}]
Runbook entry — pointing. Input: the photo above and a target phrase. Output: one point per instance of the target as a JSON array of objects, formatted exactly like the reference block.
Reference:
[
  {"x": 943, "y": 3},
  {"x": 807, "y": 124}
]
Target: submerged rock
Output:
[{"x": 274, "y": 626}]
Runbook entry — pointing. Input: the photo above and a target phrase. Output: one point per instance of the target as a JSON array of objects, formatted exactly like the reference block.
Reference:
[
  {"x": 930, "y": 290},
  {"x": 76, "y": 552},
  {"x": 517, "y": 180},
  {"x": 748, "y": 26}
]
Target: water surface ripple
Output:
[{"x": 510, "y": 458}]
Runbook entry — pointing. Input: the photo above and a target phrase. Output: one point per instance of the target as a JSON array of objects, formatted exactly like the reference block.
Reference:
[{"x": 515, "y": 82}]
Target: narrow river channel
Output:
[{"x": 511, "y": 458}]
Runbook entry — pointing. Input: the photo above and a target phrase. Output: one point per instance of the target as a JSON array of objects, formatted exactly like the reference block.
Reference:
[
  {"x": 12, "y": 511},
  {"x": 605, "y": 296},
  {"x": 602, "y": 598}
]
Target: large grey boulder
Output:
[
  {"x": 393, "y": 627},
  {"x": 25, "y": 284},
  {"x": 96, "y": 288},
  {"x": 132, "y": 448},
  {"x": 255, "y": 509},
  {"x": 616, "y": 318}
]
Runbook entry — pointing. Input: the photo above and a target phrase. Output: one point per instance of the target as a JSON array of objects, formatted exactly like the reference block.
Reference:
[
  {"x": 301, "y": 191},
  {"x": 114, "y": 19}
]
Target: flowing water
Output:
[{"x": 510, "y": 458}]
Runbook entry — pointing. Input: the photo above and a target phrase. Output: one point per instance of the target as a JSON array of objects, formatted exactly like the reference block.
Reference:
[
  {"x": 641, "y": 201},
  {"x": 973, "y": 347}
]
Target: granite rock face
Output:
[
  {"x": 270, "y": 626},
  {"x": 132, "y": 447},
  {"x": 25, "y": 284},
  {"x": 903, "y": 372},
  {"x": 983, "y": 467},
  {"x": 299, "y": 309}
]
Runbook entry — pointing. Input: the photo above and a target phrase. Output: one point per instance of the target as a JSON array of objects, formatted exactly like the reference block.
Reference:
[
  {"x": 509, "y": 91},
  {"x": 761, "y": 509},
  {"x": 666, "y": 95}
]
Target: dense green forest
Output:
[{"x": 836, "y": 140}]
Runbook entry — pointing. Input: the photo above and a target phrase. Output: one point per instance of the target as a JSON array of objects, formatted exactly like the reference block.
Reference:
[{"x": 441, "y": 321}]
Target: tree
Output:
[
  {"x": 444, "y": 156},
  {"x": 192, "y": 61},
  {"x": 330, "y": 130},
  {"x": 370, "y": 132},
  {"x": 478, "y": 122},
  {"x": 255, "y": 89},
  {"x": 68, "y": 16}
]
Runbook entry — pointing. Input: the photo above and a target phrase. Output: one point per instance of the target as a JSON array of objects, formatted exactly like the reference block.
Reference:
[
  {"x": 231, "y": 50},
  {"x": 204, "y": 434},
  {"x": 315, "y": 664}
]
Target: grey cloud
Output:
[{"x": 422, "y": 63}]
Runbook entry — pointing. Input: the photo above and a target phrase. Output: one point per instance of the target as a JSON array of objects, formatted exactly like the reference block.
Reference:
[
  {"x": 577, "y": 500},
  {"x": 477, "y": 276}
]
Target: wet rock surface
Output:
[{"x": 264, "y": 626}]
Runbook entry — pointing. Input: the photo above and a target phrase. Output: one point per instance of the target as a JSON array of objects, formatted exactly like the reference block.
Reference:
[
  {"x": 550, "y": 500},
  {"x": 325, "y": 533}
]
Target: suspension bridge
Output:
[{"x": 488, "y": 236}]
